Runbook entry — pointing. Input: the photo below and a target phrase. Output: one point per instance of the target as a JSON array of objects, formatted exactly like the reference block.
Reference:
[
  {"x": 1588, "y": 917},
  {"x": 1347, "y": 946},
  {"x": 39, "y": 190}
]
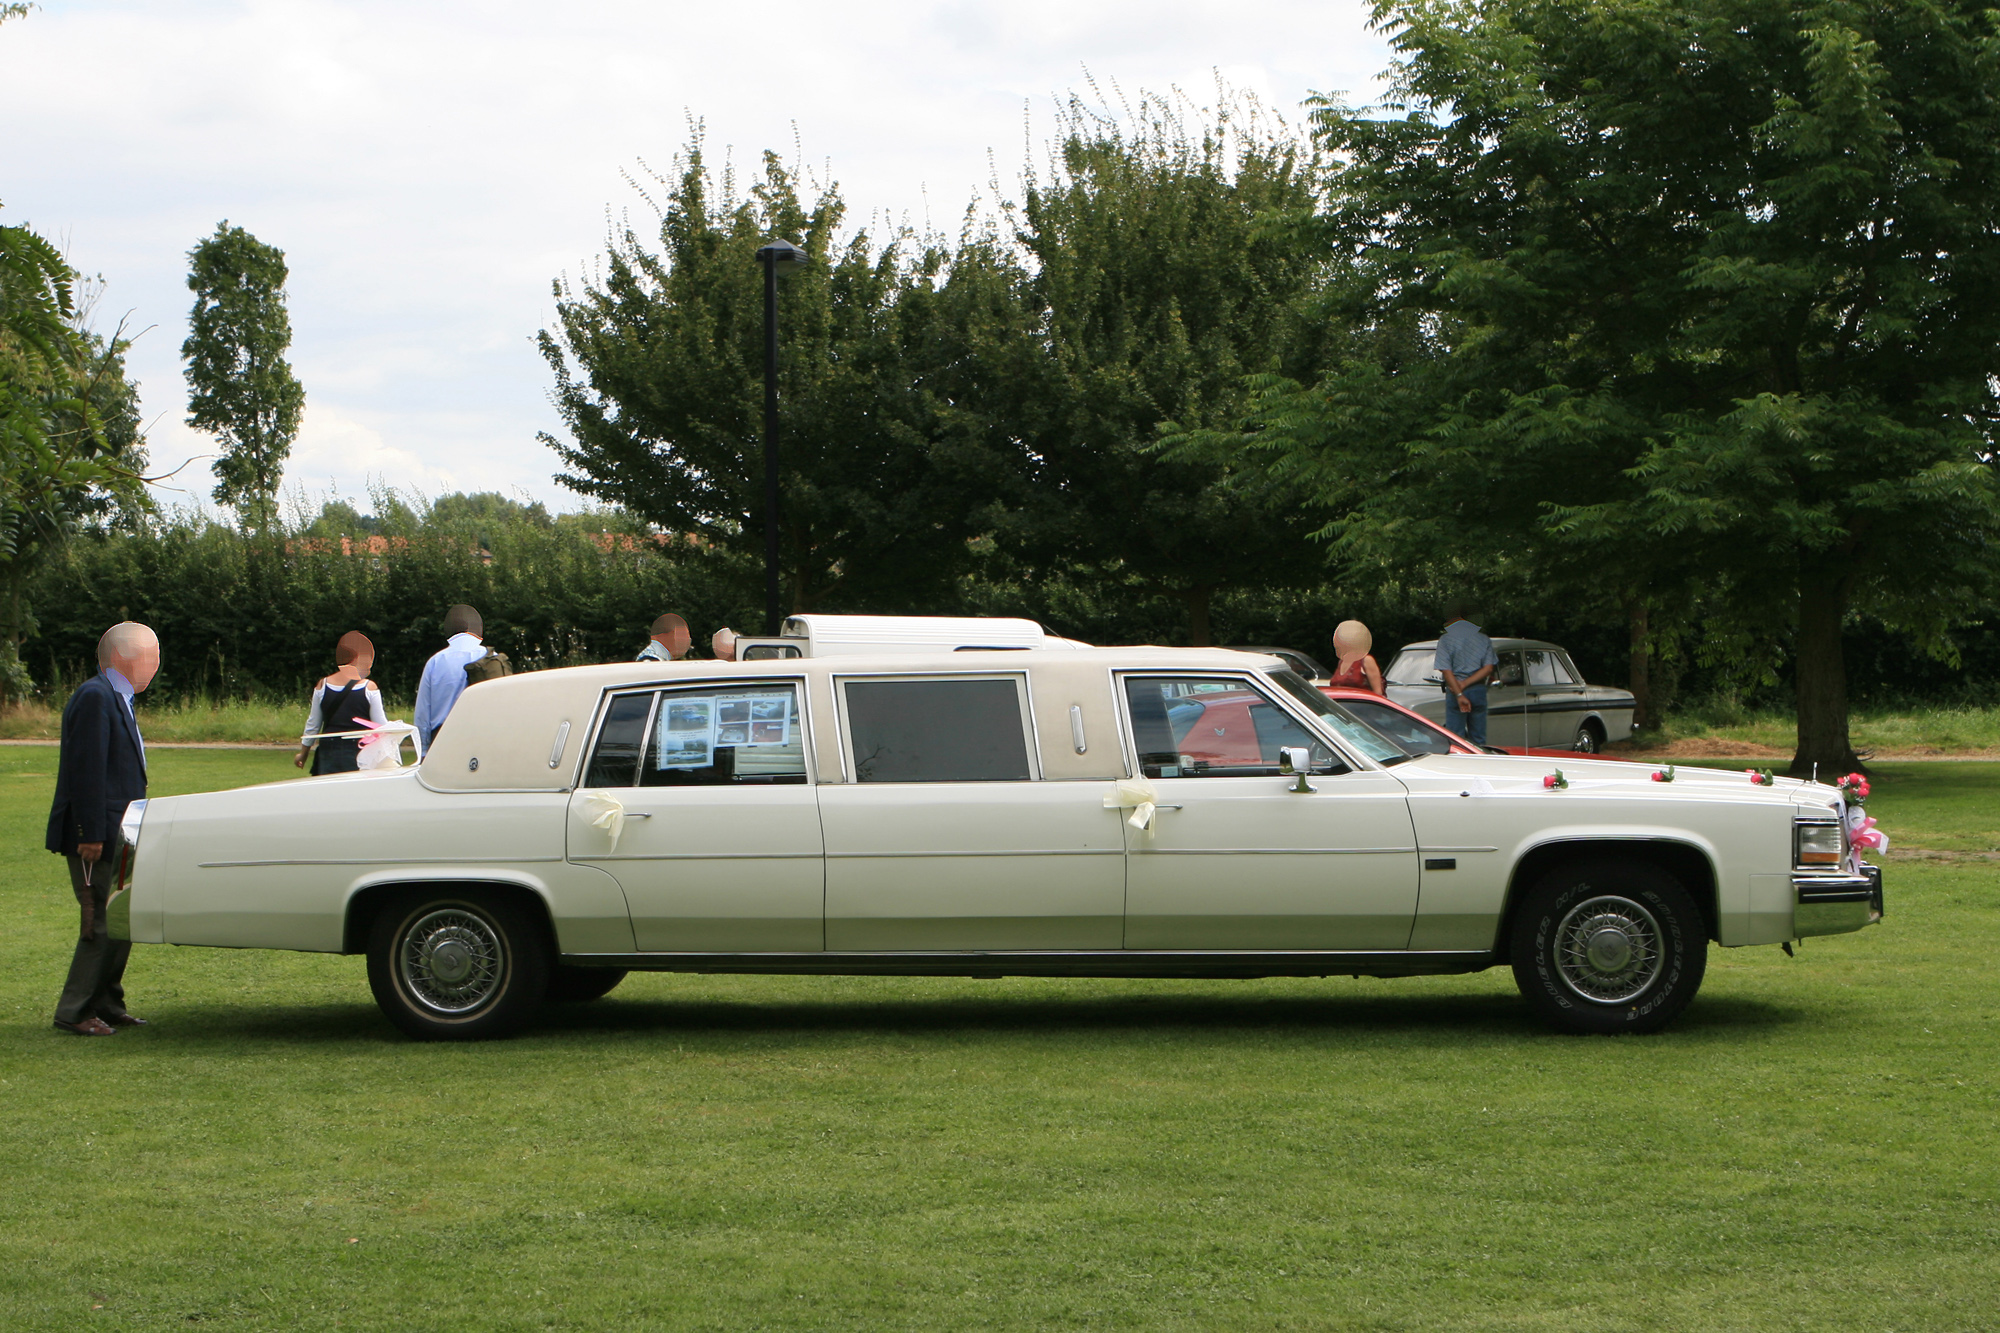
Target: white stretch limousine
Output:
[{"x": 1050, "y": 813}]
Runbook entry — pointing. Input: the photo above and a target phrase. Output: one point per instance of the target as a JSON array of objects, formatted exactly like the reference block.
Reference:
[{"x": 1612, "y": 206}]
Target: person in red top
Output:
[{"x": 1356, "y": 669}]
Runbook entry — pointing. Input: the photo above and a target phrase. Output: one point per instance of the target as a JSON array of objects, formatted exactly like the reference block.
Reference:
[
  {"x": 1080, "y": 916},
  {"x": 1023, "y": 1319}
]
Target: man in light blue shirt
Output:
[
  {"x": 1465, "y": 658},
  {"x": 444, "y": 676}
]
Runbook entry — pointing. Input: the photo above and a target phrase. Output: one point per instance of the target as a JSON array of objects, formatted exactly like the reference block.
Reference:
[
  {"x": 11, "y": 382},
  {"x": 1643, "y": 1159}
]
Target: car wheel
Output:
[
  {"x": 574, "y": 985},
  {"x": 457, "y": 967},
  {"x": 1589, "y": 738},
  {"x": 1609, "y": 946}
]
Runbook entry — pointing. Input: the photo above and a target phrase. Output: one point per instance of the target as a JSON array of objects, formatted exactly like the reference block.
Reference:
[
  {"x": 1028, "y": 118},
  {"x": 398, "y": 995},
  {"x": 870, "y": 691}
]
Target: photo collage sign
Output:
[{"x": 692, "y": 727}]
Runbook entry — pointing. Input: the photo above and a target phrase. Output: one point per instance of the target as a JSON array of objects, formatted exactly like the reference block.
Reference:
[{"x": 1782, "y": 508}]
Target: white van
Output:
[{"x": 838, "y": 636}]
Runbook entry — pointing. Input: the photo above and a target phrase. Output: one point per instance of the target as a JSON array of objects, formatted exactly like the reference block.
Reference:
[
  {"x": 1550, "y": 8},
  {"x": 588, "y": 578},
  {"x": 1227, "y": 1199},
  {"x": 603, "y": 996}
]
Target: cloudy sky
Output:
[{"x": 430, "y": 166}]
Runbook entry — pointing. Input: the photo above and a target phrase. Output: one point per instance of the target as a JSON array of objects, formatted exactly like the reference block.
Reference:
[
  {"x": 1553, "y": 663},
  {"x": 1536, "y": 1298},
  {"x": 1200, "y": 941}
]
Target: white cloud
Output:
[{"x": 429, "y": 166}]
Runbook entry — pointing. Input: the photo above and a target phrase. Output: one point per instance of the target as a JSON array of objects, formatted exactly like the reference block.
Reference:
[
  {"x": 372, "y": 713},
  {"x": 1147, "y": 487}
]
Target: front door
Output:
[
  {"x": 1555, "y": 700},
  {"x": 944, "y": 835},
  {"x": 719, "y": 849},
  {"x": 1235, "y": 859}
]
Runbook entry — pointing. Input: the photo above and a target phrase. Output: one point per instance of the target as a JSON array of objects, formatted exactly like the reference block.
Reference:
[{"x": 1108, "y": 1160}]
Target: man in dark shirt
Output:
[{"x": 102, "y": 770}]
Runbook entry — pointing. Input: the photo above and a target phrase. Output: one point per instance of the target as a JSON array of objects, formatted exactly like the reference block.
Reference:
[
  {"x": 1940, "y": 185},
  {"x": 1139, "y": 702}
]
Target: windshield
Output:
[
  {"x": 1413, "y": 734},
  {"x": 1415, "y": 666},
  {"x": 1341, "y": 722}
]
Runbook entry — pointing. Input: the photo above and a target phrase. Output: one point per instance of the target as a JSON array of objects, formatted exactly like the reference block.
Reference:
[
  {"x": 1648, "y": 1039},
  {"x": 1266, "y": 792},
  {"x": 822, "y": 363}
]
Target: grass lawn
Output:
[
  {"x": 1814, "y": 1146},
  {"x": 1910, "y": 732}
]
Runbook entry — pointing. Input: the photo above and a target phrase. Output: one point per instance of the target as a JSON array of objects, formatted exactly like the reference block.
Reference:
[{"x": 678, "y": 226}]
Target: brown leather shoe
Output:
[
  {"x": 89, "y": 1027},
  {"x": 126, "y": 1021}
]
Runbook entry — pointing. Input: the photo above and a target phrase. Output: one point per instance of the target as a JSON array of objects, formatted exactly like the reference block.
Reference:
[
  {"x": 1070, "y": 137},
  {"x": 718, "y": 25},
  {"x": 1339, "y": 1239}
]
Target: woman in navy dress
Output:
[{"x": 340, "y": 703}]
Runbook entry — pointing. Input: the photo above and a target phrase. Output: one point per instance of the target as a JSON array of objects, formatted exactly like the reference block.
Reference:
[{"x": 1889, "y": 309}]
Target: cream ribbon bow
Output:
[
  {"x": 600, "y": 809},
  {"x": 1137, "y": 795}
]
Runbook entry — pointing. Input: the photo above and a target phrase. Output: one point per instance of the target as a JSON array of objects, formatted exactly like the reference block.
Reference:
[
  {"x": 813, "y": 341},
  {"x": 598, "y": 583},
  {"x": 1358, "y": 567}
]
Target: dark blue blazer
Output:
[{"x": 102, "y": 769}]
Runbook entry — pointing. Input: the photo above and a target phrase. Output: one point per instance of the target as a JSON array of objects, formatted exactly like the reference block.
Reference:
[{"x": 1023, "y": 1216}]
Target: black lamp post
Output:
[{"x": 777, "y": 257}]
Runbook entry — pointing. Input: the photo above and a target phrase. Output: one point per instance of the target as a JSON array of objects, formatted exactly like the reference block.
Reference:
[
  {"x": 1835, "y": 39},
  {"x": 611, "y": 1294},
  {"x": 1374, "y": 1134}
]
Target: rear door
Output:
[
  {"x": 716, "y": 840},
  {"x": 945, "y": 836}
]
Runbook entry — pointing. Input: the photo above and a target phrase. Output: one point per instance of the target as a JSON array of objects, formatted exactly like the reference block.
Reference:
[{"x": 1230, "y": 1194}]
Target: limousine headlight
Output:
[{"x": 1820, "y": 845}]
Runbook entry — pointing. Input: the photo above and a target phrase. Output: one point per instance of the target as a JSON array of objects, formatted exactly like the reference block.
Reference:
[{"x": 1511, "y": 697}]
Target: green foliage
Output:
[
  {"x": 240, "y": 387},
  {"x": 1166, "y": 266},
  {"x": 257, "y": 614},
  {"x": 659, "y": 377},
  {"x": 1693, "y": 306},
  {"x": 69, "y": 438}
]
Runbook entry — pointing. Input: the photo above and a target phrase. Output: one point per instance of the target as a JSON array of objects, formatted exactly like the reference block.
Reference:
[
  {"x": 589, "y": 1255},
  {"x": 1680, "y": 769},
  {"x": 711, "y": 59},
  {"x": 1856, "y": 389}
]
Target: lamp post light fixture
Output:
[{"x": 777, "y": 257}]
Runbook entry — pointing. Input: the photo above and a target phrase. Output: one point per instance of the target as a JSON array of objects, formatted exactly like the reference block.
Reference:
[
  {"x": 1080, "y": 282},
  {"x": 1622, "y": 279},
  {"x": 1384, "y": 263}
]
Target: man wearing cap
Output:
[
  {"x": 102, "y": 769},
  {"x": 669, "y": 642},
  {"x": 444, "y": 677}
]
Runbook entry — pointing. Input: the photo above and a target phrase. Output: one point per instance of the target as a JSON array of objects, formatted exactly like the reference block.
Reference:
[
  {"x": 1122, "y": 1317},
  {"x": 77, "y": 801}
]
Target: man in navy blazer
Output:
[{"x": 102, "y": 770}]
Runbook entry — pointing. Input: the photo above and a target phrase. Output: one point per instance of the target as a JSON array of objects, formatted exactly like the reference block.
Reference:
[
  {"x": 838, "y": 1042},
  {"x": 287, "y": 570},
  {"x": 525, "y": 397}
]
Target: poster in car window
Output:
[{"x": 693, "y": 727}]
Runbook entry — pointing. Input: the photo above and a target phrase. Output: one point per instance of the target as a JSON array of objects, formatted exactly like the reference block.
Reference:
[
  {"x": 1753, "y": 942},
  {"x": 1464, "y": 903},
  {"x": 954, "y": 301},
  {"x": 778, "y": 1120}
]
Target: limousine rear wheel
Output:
[
  {"x": 1609, "y": 946},
  {"x": 457, "y": 967}
]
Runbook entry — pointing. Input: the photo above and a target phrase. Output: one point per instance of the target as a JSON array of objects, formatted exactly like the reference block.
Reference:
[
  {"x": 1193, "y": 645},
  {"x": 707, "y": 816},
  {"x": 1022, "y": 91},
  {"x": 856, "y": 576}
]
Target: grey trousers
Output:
[{"x": 95, "y": 987}]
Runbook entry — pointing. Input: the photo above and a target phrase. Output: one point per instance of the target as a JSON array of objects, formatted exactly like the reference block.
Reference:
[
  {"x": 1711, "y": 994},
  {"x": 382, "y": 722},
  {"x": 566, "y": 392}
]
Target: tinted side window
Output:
[
  {"x": 936, "y": 730},
  {"x": 710, "y": 735},
  {"x": 615, "y": 761}
]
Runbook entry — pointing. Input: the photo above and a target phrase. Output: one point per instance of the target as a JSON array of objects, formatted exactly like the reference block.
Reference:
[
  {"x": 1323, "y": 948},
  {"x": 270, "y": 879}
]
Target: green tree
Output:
[
  {"x": 1168, "y": 265},
  {"x": 1699, "y": 301},
  {"x": 885, "y": 456},
  {"x": 241, "y": 388},
  {"x": 69, "y": 439}
]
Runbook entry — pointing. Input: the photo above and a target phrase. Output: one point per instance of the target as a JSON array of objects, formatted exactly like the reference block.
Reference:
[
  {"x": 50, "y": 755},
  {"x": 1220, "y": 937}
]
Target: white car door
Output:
[
  {"x": 945, "y": 836},
  {"x": 697, "y": 800},
  {"x": 1236, "y": 858}
]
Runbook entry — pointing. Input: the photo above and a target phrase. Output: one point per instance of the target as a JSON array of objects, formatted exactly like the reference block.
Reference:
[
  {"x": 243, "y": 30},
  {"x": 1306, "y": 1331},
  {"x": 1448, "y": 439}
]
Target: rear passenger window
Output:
[
  {"x": 703, "y": 736},
  {"x": 615, "y": 761},
  {"x": 932, "y": 729}
]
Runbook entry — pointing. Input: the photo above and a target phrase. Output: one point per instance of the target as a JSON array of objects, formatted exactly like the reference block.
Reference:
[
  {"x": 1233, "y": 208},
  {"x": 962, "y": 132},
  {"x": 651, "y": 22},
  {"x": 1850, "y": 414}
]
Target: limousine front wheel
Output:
[
  {"x": 457, "y": 967},
  {"x": 1609, "y": 946}
]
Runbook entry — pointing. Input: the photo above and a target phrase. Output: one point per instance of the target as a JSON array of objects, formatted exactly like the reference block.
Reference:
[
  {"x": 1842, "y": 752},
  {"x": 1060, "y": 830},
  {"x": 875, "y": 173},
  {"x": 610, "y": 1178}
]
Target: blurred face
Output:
[
  {"x": 139, "y": 660},
  {"x": 363, "y": 664}
]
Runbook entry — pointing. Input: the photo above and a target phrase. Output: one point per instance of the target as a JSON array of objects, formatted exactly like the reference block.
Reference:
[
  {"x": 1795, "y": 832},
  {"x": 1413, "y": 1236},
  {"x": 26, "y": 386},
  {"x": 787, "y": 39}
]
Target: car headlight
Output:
[{"x": 1818, "y": 846}]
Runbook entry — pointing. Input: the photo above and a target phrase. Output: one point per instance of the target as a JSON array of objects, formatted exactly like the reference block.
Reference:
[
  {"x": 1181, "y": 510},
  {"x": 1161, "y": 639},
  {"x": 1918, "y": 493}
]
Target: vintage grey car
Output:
[
  {"x": 1537, "y": 699},
  {"x": 1113, "y": 812}
]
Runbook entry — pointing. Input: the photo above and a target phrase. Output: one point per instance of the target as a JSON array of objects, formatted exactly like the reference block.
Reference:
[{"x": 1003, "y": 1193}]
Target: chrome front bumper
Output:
[{"x": 1836, "y": 904}]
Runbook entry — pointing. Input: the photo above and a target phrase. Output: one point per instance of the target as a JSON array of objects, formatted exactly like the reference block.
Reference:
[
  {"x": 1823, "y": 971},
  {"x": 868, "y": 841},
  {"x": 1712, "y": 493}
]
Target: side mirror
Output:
[{"x": 1296, "y": 762}]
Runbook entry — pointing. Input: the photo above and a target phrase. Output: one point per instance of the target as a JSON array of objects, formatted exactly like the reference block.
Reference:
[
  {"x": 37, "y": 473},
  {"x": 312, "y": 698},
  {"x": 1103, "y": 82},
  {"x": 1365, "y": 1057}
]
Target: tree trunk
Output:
[
  {"x": 1642, "y": 664},
  {"x": 1821, "y": 673},
  {"x": 1199, "y": 633}
]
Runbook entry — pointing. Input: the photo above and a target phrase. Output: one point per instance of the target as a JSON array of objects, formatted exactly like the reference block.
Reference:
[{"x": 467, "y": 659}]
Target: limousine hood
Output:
[{"x": 1513, "y": 774}]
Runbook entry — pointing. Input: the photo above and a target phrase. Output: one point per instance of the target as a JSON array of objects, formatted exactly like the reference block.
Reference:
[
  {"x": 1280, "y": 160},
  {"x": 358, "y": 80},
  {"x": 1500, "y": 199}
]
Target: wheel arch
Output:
[
  {"x": 368, "y": 899},
  {"x": 1686, "y": 861}
]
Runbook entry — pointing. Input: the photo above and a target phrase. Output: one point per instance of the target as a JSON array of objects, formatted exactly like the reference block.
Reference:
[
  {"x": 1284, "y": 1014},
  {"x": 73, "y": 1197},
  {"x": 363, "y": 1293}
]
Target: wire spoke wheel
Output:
[
  {"x": 1607, "y": 949},
  {"x": 451, "y": 960}
]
